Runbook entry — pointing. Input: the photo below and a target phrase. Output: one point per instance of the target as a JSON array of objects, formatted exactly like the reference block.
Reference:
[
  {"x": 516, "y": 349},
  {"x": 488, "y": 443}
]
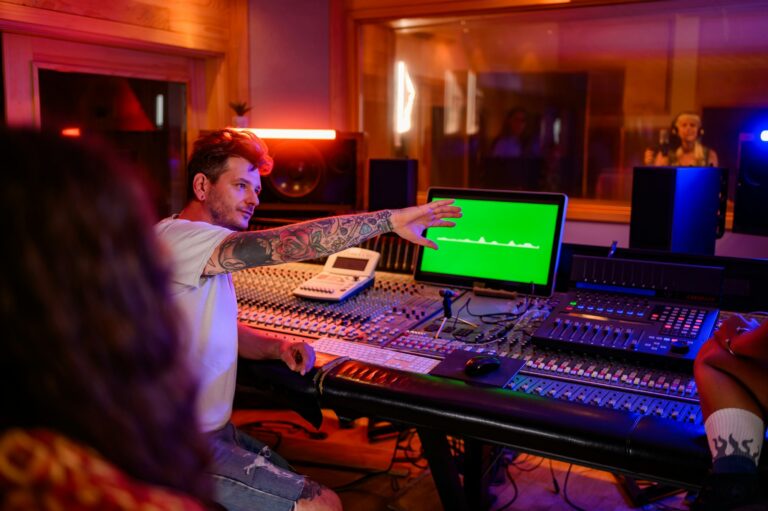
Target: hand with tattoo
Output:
[{"x": 410, "y": 223}]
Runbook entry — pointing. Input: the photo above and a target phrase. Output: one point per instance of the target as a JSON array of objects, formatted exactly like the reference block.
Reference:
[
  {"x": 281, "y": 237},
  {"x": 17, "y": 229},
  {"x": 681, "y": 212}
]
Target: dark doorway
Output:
[{"x": 144, "y": 120}]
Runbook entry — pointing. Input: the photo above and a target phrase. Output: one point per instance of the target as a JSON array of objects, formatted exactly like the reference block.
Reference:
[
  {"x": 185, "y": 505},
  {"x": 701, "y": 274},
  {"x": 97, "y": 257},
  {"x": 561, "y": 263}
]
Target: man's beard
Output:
[{"x": 221, "y": 217}]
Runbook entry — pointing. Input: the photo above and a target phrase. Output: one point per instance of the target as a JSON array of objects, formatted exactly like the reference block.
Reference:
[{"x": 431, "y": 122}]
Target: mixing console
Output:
[
  {"x": 636, "y": 328},
  {"x": 378, "y": 314},
  {"x": 595, "y": 369}
]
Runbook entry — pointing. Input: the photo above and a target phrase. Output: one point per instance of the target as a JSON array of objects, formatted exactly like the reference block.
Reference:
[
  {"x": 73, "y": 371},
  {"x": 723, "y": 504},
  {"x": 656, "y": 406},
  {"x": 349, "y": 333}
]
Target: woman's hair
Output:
[
  {"x": 90, "y": 343},
  {"x": 212, "y": 151}
]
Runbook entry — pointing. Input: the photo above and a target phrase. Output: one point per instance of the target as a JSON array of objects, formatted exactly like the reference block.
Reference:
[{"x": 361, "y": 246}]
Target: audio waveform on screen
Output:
[{"x": 483, "y": 241}]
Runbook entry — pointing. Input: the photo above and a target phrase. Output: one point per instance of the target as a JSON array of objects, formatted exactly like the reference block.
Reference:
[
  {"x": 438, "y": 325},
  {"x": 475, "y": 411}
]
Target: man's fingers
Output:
[
  {"x": 443, "y": 208},
  {"x": 424, "y": 242},
  {"x": 451, "y": 211},
  {"x": 442, "y": 202}
]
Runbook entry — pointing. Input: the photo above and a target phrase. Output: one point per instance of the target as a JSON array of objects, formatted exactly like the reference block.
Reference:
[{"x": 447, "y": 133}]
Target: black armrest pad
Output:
[
  {"x": 272, "y": 380},
  {"x": 603, "y": 438}
]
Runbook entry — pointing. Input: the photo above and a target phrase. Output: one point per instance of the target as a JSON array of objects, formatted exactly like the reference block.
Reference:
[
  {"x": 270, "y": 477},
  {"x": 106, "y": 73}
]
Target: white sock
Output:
[{"x": 734, "y": 431}]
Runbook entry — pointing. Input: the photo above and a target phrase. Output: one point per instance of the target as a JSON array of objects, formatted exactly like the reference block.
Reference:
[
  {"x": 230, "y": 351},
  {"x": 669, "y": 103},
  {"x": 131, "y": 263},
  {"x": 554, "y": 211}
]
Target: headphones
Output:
[{"x": 673, "y": 129}]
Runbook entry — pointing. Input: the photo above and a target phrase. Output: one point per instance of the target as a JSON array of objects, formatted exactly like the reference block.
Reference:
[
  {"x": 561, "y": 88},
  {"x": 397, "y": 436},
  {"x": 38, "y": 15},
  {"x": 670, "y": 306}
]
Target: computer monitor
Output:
[{"x": 505, "y": 240}]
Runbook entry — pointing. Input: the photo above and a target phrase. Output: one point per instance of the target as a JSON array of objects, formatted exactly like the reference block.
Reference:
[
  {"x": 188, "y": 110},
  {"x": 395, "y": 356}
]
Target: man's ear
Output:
[{"x": 200, "y": 186}]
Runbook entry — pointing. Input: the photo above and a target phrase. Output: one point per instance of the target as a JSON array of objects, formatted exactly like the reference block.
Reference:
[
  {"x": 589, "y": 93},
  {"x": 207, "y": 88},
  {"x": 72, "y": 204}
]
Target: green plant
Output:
[{"x": 240, "y": 107}]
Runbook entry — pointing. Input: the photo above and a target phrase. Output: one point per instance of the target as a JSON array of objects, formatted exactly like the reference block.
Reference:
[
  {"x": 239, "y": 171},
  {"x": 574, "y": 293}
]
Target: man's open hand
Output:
[{"x": 410, "y": 223}]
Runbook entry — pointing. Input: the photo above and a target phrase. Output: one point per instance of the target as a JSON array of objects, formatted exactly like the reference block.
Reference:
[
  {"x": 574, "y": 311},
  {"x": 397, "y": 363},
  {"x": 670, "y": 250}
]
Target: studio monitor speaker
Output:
[
  {"x": 392, "y": 183},
  {"x": 313, "y": 173},
  {"x": 750, "y": 207},
  {"x": 678, "y": 209}
]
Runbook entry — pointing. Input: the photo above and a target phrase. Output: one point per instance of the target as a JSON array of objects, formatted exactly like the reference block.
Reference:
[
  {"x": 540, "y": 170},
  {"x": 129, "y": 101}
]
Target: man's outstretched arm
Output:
[{"x": 319, "y": 238}]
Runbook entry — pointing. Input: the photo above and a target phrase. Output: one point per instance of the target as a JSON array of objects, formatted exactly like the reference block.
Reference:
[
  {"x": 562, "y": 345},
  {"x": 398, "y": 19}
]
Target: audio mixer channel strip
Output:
[{"x": 594, "y": 348}]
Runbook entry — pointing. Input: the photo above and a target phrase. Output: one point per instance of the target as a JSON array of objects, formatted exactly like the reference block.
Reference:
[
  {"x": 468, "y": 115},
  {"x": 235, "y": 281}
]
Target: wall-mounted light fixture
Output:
[
  {"x": 472, "y": 123},
  {"x": 405, "y": 95},
  {"x": 296, "y": 134},
  {"x": 160, "y": 111}
]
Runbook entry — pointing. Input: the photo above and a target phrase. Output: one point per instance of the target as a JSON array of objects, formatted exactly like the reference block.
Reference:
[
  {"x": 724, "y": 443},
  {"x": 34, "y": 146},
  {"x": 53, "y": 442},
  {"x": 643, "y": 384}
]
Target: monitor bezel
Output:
[{"x": 470, "y": 282}]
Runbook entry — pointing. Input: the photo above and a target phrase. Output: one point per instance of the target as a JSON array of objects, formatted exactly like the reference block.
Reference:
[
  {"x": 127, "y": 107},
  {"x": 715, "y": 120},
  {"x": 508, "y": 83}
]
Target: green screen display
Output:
[{"x": 499, "y": 240}]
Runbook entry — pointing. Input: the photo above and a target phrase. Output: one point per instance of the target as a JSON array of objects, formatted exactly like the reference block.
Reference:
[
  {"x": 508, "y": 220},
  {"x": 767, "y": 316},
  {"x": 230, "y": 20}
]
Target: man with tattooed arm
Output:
[{"x": 207, "y": 241}]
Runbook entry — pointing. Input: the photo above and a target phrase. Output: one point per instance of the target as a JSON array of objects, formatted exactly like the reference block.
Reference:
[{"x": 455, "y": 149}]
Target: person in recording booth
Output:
[
  {"x": 514, "y": 140},
  {"x": 97, "y": 405},
  {"x": 681, "y": 145},
  {"x": 730, "y": 376},
  {"x": 208, "y": 240}
]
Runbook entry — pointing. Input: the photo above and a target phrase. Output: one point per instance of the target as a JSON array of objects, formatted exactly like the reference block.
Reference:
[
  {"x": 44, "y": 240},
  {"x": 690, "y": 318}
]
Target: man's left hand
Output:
[{"x": 298, "y": 356}]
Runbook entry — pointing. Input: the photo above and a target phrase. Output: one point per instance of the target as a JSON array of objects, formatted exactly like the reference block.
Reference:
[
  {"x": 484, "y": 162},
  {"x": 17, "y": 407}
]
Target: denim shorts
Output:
[{"x": 248, "y": 475}]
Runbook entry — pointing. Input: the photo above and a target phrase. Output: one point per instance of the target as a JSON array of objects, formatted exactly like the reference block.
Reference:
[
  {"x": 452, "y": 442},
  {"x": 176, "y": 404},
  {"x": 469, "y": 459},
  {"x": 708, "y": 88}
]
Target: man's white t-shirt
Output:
[{"x": 209, "y": 309}]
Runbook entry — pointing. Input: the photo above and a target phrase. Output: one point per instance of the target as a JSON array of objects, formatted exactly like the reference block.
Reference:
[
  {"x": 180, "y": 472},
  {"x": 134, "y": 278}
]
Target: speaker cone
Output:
[{"x": 298, "y": 170}]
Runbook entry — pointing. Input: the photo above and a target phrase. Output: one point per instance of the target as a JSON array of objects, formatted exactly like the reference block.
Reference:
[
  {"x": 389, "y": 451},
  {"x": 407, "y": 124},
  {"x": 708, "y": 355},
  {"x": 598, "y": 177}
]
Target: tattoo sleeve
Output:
[{"x": 297, "y": 242}]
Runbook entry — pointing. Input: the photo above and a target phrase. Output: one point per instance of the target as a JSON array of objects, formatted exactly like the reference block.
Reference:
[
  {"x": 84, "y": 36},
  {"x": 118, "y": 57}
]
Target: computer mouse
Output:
[{"x": 480, "y": 365}]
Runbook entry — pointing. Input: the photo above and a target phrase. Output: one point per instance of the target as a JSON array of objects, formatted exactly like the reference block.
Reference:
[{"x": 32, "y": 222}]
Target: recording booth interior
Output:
[{"x": 606, "y": 344}]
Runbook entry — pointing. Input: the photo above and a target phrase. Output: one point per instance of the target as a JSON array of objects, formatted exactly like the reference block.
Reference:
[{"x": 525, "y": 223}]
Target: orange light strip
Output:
[
  {"x": 70, "y": 132},
  {"x": 294, "y": 133}
]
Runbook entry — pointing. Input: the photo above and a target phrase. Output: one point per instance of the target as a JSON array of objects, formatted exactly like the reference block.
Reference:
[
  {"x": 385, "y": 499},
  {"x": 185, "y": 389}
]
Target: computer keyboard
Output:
[{"x": 375, "y": 355}]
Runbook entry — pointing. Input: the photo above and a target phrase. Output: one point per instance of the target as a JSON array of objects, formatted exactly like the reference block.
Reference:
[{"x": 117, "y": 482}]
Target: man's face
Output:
[
  {"x": 232, "y": 199},
  {"x": 688, "y": 127}
]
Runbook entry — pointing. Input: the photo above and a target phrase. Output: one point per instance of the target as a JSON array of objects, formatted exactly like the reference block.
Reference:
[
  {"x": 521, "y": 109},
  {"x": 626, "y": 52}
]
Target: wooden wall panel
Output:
[
  {"x": 391, "y": 9},
  {"x": 195, "y": 26},
  {"x": 211, "y": 34}
]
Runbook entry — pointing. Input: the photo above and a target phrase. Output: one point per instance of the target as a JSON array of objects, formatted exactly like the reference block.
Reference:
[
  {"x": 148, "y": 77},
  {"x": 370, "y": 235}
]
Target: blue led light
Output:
[{"x": 764, "y": 135}]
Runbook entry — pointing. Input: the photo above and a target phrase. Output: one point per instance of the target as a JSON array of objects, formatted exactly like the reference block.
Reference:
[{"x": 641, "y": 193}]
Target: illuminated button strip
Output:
[
  {"x": 612, "y": 374},
  {"x": 607, "y": 398},
  {"x": 608, "y": 305},
  {"x": 679, "y": 321}
]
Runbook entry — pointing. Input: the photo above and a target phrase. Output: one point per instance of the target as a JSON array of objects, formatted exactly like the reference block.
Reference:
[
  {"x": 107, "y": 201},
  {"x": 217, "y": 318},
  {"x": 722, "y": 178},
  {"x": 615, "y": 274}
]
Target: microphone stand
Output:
[{"x": 448, "y": 312}]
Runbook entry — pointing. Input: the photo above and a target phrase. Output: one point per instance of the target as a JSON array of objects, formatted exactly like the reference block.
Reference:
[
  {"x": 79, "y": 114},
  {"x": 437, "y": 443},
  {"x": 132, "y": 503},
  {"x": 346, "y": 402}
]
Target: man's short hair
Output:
[{"x": 213, "y": 149}]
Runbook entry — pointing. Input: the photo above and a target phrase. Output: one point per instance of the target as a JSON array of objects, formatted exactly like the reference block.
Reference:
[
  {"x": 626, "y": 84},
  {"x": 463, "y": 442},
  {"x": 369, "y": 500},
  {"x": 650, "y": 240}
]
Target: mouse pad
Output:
[{"x": 452, "y": 366}]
